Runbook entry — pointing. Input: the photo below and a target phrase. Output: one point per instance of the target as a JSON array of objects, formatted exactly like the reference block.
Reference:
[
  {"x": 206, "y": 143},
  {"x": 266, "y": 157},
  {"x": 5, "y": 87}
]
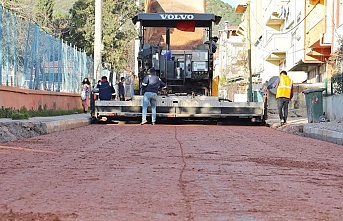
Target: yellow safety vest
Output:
[{"x": 284, "y": 88}]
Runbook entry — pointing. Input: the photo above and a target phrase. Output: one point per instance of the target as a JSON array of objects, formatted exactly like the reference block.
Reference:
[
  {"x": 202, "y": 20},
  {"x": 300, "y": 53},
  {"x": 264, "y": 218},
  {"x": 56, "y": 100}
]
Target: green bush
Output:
[
  {"x": 6, "y": 112},
  {"x": 23, "y": 113},
  {"x": 337, "y": 83},
  {"x": 20, "y": 116}
]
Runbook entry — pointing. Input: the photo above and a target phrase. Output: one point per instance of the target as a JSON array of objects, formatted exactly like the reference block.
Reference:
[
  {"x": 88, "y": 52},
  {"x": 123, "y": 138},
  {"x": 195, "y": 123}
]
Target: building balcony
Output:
[
  {"x": 314, "y": 2},
  {"x": 241, "y": 7},
  {"x": 242, "y": 28},
  {"x": 319, "y": 43},
  {"x": 276, "y": 47},
  {"x": 236, "y": 40},
  {"x": 315, "y": 32},
  {"x": 241, "y": 57},
  {"x": 320, "y": 53},
  {"x": 275, "y": 13}
]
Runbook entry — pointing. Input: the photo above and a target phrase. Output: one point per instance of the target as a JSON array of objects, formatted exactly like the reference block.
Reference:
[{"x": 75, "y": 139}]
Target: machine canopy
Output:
[{"x": 171, "y": 20}]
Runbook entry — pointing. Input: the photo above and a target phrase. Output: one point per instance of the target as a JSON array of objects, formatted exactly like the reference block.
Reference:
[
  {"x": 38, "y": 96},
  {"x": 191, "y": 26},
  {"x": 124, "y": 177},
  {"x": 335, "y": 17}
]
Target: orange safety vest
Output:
[{"x": 284, "y": 88}]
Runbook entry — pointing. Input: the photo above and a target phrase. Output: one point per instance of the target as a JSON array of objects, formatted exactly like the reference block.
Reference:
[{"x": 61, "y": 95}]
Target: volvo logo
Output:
[{"x": 177, "y": 17}]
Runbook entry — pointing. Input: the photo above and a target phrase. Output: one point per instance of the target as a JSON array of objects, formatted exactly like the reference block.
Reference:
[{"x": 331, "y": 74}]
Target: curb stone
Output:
[
  {"x": 328, "y": 135},
  {"x": 55, "y": 126},
  {"x": 321, "y": 131},
  {"x": 11, "y": 130}
]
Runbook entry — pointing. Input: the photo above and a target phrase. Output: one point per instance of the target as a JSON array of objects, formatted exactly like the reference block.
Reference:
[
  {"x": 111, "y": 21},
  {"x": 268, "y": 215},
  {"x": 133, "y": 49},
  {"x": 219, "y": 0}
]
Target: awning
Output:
[
  {"x": 306, "y": 66},
  {"x": 234, "y": 79},
  {"x": 276, "y": 56},
  {"x": 241, "y": 29},
  {"x": 241, "y": 7}
]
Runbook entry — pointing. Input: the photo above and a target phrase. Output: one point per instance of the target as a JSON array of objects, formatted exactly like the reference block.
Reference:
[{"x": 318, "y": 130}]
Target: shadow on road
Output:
[{"x": 188, "y": 121}]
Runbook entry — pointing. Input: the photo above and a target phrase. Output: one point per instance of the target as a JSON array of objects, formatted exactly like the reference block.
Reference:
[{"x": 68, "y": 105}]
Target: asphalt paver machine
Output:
[{"x": 187, "y": 71}]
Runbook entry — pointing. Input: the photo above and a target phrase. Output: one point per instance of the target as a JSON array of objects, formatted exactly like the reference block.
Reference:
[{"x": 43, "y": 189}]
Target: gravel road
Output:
[{"x": 171, "y": 172}]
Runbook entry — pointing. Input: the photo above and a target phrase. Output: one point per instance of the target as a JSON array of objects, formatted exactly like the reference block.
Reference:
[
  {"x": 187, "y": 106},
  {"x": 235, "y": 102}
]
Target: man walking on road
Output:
[
  {"x": 150, "y": 83},
  {"x": 284, "y": 94}
]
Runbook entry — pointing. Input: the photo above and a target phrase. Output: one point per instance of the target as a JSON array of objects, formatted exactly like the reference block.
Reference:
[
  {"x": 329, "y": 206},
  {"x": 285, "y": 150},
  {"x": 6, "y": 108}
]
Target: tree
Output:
[
  {"x": 80, "y": 31},
  {"x": 23, "y": 8},
  {"x": 118, "y": 30},
  {"x": 337, "y": 75},
  {"x": 44, "y": 13},
  {"x": 40, "y": 12}
]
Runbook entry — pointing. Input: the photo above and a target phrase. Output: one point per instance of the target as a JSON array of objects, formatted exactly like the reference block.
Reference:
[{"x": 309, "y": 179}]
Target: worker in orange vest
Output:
[{"x": 284, "y": 93}]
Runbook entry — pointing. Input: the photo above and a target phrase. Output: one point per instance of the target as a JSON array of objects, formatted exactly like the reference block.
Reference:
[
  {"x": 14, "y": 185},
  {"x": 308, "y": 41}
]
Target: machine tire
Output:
[{"x": 94, "y": 120}]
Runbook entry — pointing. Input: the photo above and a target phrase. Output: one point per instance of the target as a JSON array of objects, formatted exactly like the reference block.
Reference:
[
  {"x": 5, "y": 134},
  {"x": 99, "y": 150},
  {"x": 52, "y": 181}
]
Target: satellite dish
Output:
[{"x": 271, "y": 80}]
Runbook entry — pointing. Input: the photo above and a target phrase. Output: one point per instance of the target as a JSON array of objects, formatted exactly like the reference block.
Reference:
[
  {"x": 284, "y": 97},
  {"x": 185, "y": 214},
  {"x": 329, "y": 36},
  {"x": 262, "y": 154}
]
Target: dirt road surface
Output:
[{"x": 171, "y": 172}]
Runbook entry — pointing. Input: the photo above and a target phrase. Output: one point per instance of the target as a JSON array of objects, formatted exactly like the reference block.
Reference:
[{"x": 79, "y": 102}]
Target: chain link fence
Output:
[{"x": 31, "y": 58}]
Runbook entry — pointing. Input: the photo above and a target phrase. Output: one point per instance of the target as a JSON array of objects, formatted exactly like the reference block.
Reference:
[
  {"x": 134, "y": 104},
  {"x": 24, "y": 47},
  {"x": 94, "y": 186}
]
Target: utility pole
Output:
[
  {"x": 98, "y": 40},
  {"x": 137, "y": 44},
  {"x": 249, "y": 93}
]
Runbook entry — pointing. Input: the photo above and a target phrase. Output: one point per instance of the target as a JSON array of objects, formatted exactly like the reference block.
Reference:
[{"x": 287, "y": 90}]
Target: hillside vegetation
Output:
[
  {"x": 213, "y": 6},
  {"x": 62, "y": 7},
  {"x": 73, "y": 21},
  {"x": 226, "y": 11}
]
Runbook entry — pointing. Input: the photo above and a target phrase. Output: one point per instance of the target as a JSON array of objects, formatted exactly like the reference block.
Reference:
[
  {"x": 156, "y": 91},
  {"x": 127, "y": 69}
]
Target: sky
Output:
[{"x": 233, "y": 3}]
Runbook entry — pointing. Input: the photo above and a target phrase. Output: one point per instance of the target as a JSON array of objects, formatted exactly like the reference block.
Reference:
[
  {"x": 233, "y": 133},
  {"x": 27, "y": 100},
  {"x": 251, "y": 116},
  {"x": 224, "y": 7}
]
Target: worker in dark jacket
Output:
[
  {"x": 121, "y": 89},
  {"x": 151, "y": 83},
  {"x": 105, "y": 89}
]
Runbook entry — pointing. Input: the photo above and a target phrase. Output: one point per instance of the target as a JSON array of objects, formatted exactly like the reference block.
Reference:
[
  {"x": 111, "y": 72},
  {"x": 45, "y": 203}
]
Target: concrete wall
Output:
[
  {"x": 32, "y": 99},
  {"x": 333, "y": 107}
]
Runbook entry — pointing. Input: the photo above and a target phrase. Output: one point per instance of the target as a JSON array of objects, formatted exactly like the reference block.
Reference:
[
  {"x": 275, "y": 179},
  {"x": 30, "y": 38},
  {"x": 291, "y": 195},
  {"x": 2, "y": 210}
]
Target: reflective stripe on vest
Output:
[{"x": 284, "y": 88}]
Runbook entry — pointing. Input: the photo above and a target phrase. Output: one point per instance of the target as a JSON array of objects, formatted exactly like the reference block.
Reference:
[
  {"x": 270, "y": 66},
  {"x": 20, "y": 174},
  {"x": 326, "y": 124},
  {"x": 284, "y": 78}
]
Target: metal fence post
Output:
[
  {"x": 37, "y": 60},
  {"x": 59, "y": 65},
  {"x": 7, "y": 48},
  {"x": 15, "y": 65},
  {"x": 1, "y": 45},
  {"x": 26, "y": 57}
]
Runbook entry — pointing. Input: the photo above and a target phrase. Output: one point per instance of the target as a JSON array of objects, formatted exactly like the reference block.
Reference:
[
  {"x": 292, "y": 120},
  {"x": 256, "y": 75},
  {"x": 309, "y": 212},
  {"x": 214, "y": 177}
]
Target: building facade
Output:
[
  {"x": 230, "y": 61},
  {"x": 303, "y": 37},
  {"x": 298, "y": 36}
]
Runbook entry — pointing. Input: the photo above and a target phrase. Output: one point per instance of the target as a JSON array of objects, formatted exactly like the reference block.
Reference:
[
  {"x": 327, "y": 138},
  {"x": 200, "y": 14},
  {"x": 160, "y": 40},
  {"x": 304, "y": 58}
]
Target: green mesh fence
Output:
[{"x": 31, "y": 58}]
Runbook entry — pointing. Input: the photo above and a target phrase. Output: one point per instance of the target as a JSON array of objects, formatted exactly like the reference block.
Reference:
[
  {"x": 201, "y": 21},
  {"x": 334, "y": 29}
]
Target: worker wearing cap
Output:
[{"x": 151, "y": 83}]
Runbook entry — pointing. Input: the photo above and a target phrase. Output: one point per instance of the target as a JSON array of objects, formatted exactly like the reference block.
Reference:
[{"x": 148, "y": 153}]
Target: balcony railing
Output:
[
  {"x": 277, "y": 45},
  {"x": 274, "y": 13}
]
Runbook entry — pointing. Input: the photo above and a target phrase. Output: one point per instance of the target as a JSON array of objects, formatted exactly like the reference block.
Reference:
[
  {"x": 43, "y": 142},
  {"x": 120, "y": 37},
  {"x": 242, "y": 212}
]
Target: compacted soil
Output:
[{"x": 171, "y": 172}]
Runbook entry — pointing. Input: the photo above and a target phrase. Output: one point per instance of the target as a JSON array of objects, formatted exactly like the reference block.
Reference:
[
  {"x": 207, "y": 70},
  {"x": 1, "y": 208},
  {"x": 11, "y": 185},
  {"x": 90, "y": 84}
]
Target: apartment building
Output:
[
  {"x": 298, "y": 36},
  {"x": 303, "y": 37},
  {"x": 230, "y": 60}
]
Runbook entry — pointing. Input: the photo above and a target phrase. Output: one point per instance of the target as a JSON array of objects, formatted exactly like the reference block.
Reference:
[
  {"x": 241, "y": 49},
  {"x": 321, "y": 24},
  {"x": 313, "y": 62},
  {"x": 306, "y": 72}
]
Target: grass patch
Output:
[{"x": 23, "y": 113}]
